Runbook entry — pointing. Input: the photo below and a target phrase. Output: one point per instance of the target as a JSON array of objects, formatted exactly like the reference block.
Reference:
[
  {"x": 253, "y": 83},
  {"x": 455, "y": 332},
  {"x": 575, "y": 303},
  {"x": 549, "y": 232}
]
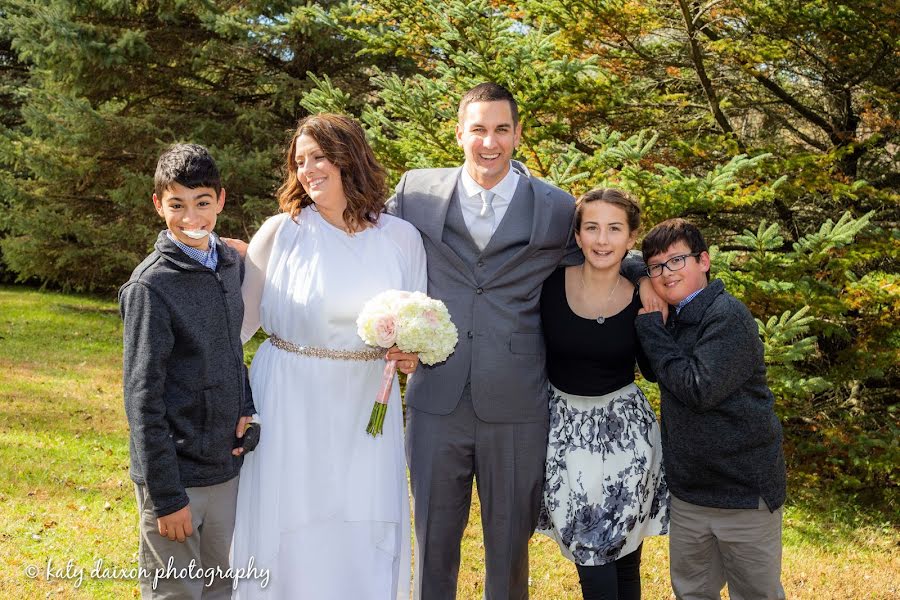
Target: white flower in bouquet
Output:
[
  {"x": 415, "y": 323},
  {"x": 426, "y": 328}
]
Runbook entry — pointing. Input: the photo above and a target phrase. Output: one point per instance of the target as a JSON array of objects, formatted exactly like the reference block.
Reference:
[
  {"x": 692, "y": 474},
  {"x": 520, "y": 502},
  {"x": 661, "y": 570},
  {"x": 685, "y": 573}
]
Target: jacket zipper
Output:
[{"x": 240, "y": 361}]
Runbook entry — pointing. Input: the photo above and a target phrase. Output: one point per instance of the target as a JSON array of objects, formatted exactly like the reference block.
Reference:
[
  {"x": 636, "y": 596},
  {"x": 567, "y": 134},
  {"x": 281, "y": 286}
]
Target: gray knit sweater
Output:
[
  {"x": 184, "y": 378},
  {"x": 721, "y": 437}
]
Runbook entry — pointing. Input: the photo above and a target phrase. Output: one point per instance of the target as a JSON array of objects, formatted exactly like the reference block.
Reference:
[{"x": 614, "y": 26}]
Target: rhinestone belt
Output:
[{"x": 371, "y": 354}]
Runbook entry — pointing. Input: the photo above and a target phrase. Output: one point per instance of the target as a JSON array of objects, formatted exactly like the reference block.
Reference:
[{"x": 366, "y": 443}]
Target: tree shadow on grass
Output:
[
  {"x": 85, "y": 309},
  {"x": 831, "y": 518},
  {"x": 43, "y": 402}
]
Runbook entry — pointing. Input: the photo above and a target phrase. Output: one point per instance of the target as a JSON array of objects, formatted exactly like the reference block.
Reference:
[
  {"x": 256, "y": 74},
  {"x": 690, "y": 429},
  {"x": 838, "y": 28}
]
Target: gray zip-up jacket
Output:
[
  {"x": 184, "y": 377},
  {"x": 721, "y": 437}
]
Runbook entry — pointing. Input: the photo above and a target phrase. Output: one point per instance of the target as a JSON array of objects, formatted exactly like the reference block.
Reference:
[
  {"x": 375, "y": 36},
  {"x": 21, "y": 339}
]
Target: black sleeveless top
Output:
[{"x": 584, "y": 357}]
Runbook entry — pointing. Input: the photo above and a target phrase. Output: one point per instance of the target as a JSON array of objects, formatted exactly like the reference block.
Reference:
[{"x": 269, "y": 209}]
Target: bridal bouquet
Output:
[{"x": 415, "y": 323}]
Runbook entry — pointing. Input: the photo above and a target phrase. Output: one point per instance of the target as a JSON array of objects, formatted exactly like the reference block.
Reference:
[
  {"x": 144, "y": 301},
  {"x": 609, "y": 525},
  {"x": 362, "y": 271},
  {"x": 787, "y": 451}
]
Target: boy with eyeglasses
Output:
[{"x": 721, "y": 438}]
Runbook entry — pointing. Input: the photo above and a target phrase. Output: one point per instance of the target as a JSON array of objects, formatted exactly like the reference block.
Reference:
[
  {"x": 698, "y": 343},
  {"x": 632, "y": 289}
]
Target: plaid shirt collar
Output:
[
  {"x": 684, "y": 302},
  {"x": 208, "y": 258}
]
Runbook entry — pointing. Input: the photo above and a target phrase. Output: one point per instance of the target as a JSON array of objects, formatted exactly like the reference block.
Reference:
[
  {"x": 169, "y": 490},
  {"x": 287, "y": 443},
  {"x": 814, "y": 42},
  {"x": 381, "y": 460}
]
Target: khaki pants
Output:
[
  {"x": 212, "y": 517},
  {"x": 709, "y": 547}
]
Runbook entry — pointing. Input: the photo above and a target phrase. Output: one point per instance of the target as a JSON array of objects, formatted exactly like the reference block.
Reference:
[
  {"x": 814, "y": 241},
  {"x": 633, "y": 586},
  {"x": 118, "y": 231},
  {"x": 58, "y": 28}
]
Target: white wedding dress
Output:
[{"x": 323, "y": 505}]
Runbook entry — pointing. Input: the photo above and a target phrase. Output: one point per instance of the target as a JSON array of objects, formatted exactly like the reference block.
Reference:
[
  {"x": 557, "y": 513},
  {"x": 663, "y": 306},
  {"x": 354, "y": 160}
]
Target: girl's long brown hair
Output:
[{"x": 344, "y": 144}]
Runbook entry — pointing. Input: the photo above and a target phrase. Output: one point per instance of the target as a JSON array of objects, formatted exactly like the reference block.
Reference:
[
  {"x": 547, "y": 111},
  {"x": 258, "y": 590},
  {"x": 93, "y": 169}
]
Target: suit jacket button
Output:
[
  {"x": 469, "y": 335},
  {"x": 479, "y": 291},
  {"x": 480, "y": 263}
]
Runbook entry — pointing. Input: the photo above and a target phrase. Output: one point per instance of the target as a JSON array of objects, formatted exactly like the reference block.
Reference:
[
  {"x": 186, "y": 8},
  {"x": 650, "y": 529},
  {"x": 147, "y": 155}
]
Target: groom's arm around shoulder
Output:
[
  {"x": 561, "y": 199},
  {"x": 564, "y": 206},
  {"x": 394, "y": 205},
  {"x": 413, "y": 186}
]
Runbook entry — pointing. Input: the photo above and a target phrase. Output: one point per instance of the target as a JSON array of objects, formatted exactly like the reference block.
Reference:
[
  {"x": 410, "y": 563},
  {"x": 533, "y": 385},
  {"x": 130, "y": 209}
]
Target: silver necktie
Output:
[{"x": 483, "y": 225}]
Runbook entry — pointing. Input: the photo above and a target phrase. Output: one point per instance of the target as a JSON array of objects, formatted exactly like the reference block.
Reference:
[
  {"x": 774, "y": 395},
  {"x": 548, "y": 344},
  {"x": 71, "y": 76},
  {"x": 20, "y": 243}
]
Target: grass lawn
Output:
[{"x": 66, "y": 499}]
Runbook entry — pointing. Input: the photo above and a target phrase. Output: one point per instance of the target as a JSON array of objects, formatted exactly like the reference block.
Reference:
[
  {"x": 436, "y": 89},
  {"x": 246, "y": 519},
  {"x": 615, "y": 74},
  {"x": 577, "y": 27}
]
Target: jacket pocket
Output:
[{"x": 526, "y": 343}]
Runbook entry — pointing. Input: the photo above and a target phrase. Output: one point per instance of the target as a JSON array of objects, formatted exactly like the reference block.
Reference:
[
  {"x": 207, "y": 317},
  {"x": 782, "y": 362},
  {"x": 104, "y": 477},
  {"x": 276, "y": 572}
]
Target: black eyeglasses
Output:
[{"x": 676, "y": 263}]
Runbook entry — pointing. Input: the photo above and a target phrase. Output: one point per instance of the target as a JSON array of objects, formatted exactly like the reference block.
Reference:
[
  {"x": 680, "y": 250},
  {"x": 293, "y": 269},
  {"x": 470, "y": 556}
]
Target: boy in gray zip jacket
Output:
[
  {"x": 187, "y": 398},
  {"x": 721, "y": 438}
]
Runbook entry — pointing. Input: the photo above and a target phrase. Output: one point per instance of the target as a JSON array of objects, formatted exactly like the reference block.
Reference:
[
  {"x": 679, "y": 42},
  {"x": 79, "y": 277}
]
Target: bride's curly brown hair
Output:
[{"x": 344, "y": 144}]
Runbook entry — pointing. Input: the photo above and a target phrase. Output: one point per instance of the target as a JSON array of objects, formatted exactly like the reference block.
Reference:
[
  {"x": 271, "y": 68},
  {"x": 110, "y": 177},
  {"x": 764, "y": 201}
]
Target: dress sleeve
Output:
[{"x": 255, "y": 265}]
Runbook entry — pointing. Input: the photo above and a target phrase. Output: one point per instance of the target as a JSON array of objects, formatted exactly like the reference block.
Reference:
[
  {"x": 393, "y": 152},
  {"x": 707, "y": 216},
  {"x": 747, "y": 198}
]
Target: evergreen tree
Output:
[
  {"x": 771, "y": 124},
  {"x": 113, "y": 83},
  {"x": 13, "y": 76},
  {"x": 661, "y": 99},
  {"x": 817, "y": 76}
]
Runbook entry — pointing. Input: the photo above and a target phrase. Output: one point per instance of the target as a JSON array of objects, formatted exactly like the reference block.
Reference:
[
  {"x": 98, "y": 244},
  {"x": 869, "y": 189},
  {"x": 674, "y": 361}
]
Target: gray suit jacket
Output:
[{"x": 496, "y": 310}]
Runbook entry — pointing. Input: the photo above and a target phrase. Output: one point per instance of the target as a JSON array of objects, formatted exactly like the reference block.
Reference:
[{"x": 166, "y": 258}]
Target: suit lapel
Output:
[
  {"x": 541, "y": 217},
  {"x": 432, "y": 218},
  {"x": 543, "y": 205},
  {"x": 429, "y": 213},
  {"x": 543, "y": 213}
]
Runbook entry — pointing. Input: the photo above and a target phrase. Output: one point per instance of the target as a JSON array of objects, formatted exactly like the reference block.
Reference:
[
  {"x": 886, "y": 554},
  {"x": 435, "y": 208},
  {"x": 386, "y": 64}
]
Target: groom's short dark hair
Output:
[{"x": 489, "y": 92}]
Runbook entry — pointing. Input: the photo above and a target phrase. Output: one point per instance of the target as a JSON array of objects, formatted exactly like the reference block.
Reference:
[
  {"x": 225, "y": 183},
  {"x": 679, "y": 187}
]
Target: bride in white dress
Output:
[{"x": 323, "y": 505}]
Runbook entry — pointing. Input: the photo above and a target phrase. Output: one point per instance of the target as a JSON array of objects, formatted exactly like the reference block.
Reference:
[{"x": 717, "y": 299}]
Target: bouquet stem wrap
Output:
[{"x": 379, "y": 410}]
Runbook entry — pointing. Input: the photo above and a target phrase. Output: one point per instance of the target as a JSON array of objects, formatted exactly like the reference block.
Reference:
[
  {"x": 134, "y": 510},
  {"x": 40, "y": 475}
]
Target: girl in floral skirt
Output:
[{"x": 604, "y": 488}]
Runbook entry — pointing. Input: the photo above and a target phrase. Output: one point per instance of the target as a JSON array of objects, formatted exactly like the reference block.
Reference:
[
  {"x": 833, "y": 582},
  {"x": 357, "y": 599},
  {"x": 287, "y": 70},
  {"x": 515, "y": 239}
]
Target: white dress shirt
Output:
[{"x": 470, "y": 196}]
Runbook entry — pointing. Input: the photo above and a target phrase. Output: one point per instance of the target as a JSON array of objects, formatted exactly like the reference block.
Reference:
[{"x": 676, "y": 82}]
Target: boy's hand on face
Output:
[
  {"x": 176, "y": 526},
  {"x": 238, "y": 245},
  {"x": 239, "y": 432},
  {"x": 651, "y": 301}
]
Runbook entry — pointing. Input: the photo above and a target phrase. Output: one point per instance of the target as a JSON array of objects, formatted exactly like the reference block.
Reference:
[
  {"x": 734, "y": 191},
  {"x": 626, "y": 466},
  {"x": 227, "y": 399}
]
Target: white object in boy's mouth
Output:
[{"x": 196, "y": 234}]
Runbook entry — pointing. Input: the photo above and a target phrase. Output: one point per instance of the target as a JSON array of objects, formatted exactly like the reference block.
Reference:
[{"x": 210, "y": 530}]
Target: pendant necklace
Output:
[{"x": 601, "y": 319}]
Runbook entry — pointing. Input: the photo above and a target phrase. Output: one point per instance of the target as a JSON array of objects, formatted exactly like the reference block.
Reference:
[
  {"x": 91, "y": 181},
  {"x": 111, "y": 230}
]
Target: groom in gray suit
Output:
[{"x": 492, "y": 235}]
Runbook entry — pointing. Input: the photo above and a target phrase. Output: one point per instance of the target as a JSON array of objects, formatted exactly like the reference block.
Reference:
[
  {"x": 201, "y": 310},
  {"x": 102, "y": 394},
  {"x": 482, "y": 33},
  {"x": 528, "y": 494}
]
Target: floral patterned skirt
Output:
[{"x": 604, "y": 486}]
